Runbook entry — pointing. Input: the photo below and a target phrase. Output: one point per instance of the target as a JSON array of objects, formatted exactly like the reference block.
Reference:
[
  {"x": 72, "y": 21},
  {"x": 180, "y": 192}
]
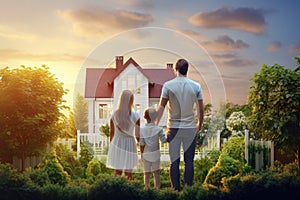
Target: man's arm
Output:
[
  {"x": 137, "y": 130},
  {"x": 160, "y": 110},
  {"x": 200, "y": 114}
]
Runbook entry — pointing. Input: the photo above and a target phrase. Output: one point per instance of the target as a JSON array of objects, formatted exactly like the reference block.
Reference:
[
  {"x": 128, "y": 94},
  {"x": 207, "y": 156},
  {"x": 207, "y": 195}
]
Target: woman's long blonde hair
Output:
[{"x": 123, "y": 112}]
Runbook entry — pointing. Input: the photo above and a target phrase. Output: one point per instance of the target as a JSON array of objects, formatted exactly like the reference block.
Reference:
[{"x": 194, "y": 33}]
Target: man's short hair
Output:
[{"x": 182, "y": 66}]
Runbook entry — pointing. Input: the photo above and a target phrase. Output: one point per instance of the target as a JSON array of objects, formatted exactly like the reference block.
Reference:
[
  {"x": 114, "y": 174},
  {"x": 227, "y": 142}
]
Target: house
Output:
[{"x": 104, "y": 85}]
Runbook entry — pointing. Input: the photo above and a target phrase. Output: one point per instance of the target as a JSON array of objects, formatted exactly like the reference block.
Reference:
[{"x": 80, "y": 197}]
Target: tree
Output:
[
  {"x": 81, "y": 113},
  {"x": 68, "y": 129},
  {"x": 274, "y": 99},
  {"x": 31, "y": 100},
  {"x": 105, "y": 129}
]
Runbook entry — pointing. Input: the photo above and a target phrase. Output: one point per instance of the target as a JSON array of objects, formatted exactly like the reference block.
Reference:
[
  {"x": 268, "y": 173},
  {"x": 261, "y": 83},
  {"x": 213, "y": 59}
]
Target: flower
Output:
[{"x": 236, "y": 121}]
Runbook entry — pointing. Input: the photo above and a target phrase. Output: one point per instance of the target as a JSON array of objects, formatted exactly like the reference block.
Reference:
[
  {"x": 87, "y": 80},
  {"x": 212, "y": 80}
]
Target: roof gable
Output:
[{"x": 99, "y": 81}]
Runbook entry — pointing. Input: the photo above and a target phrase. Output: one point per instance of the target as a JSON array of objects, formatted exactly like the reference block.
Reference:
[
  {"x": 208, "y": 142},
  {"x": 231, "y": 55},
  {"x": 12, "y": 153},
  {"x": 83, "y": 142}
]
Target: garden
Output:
[{"x": 272, "y": 113}]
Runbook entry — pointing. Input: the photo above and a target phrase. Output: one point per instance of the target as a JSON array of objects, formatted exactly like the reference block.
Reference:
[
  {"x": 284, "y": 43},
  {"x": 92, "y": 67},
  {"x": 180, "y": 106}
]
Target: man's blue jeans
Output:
[{"x": 187, "y": 139}]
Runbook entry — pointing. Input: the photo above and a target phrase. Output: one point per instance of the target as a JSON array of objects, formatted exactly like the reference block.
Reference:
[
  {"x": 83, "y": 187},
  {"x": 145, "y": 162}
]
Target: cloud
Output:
[
  {"x": 101, "y": 22},
  {"x": 225, "y": 43},
  {"x": 240, "y": 63},
  {"x": 138, "y": 3},
  {"x": 194, "y": 35},
  {"x": 274, "y": 46},
  {"x": 232, "y": 60},
  {"x": 245, "y": 19},
  {"x": 13, "y": 54},
  {"x": 294, "y": 48}
]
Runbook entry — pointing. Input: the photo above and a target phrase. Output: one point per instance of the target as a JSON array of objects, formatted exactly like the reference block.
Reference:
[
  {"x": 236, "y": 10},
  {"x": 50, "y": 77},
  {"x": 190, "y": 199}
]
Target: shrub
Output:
[
  {"x": 55, "y": 171},
  {"x": 93, "y": 168},
  {"x": 14, "y": 185},
  {"x": 203, "y": 166},
  {"x": 235, "y": 148},
  {"x": 225, "y": 167},
  {"x": 107, "y": 187},
  {"x": 68, "y": 160},
  {"x": 266, "y": 185},
  {"x": 37, "y": 176}
]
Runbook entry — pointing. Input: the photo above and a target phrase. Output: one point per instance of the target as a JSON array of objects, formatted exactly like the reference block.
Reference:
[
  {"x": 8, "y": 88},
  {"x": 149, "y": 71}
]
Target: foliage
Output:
[
  {"x": 235, "y": 148},
  {"x": 30, "y": 105},
  {"x": 204, "y": 165},
  {"x": 68, "y": 127},
  {"x": 230, "y": 162},
  {"x": 14, "y": 185},
  {"x": 81, "y": 113},
  {"x": 106, "y": 187},
  {"x": 266, "y": 184},
  {"x": 68, "y": 160},
  {"x": 230, "y": 108},
  {"x": 105, "y": 129},
  {"x": 38, "y": 176},
  {"x": 225, "y": 167},
  {"x": 279, "y": 179},
  {"x": 55, "y": 171},
  {"x": 274, "y": 98},
  {"x": 236, "y": 121},
  {"x": 93, "y": 168},
  {"x": 86, "y": 155}
]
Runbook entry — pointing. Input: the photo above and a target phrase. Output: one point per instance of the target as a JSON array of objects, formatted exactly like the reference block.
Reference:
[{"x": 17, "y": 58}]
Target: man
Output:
[{"x": 182, "y": 95}]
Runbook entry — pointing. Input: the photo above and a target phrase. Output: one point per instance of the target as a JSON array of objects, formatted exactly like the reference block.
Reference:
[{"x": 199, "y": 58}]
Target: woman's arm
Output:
[{"x": 112, "y": 130}]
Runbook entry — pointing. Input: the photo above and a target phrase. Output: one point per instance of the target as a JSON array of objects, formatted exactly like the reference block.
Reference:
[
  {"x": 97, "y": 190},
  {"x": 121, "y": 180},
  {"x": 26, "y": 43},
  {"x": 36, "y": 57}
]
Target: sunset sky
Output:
[{"x": 226, "y": 41}]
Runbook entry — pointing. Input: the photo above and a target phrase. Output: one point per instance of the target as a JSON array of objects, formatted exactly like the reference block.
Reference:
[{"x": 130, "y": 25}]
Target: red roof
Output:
[{"x": 99, "y": 81}]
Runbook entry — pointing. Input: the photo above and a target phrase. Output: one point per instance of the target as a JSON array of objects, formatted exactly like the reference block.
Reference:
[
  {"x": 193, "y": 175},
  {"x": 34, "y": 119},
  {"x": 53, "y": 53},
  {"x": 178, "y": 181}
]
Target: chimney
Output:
[
  {"x": 119, "y": 61},
  {"x": 169, "y": 65}
]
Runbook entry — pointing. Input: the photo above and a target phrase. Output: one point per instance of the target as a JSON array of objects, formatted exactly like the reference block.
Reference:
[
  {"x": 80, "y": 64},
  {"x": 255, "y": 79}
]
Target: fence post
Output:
[
  {"x": 218, "y": 139},
  {"x": 272, "y": 153},
  {"x": 78, "y": 144},
  {"x": 246, "y": 146}
]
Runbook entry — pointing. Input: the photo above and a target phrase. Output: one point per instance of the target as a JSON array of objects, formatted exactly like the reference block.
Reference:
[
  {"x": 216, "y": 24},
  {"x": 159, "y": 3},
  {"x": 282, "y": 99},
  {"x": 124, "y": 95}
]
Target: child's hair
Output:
[{"x": 150, "y": 114}]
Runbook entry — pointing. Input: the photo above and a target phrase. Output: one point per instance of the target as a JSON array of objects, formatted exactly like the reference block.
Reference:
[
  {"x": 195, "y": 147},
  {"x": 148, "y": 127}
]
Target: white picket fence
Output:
[
  {"x": 258, "y": 153},
  {"x": 99, "y": 144}
]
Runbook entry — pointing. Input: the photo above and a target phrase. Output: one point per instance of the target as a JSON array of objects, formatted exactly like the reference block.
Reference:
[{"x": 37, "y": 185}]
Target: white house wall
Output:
[
  {"x": 91, "y": 116},
  {"x": 141, "y": 85}
]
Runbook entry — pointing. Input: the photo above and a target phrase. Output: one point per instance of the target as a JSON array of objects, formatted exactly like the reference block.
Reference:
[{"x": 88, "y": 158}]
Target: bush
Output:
[
  {"x": 225, "y": 167},
  {"x": 107, "y": 187},
  {"x": 230, "y": 162},
  {"x": 93, "y": 168},
  {"x": 55, "y": 171},
  {"x": 14, "y": 185},
  {"x": 69, "y": 162},
  {"x": 235, "y": 148},
  {"x": 203, "y": 166},
  {"x": 266, "y": 185},
  {"x": 38, "y": 176}
]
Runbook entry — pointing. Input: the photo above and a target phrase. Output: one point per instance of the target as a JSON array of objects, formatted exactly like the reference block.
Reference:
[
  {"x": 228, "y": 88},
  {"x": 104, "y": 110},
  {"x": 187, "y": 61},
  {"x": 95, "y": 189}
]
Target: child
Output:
[
  {"x": 149, "y": 146},
  {"x": 124, "y": 131}
]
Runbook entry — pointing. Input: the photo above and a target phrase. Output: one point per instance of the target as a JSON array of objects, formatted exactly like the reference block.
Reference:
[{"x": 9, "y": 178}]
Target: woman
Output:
[{"x": 124, "y": 133}]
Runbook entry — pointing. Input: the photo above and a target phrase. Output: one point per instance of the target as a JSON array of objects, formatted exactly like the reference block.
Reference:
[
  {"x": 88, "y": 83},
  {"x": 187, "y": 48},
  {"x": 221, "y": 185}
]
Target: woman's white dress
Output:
[{"x": 122, "y": 152}]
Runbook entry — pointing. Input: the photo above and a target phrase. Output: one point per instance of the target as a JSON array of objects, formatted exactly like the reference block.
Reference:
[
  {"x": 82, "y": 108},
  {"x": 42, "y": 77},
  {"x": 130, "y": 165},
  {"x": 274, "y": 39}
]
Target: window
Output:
[
  {"x": 131, "y": 82},
  {"x": 138, "y": 83},
  {"x": 138, "y": 108},
  {"x": 103, "y": 111}
]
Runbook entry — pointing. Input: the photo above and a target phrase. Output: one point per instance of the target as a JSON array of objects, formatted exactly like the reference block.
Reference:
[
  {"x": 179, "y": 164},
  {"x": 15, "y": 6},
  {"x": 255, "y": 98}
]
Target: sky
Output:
[{"x": 226, "y": 42}]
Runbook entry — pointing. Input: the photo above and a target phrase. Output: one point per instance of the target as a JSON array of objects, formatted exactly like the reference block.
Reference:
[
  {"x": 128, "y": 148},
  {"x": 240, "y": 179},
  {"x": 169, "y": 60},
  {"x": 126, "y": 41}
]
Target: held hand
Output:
[{"x": 199, "y": 126}]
